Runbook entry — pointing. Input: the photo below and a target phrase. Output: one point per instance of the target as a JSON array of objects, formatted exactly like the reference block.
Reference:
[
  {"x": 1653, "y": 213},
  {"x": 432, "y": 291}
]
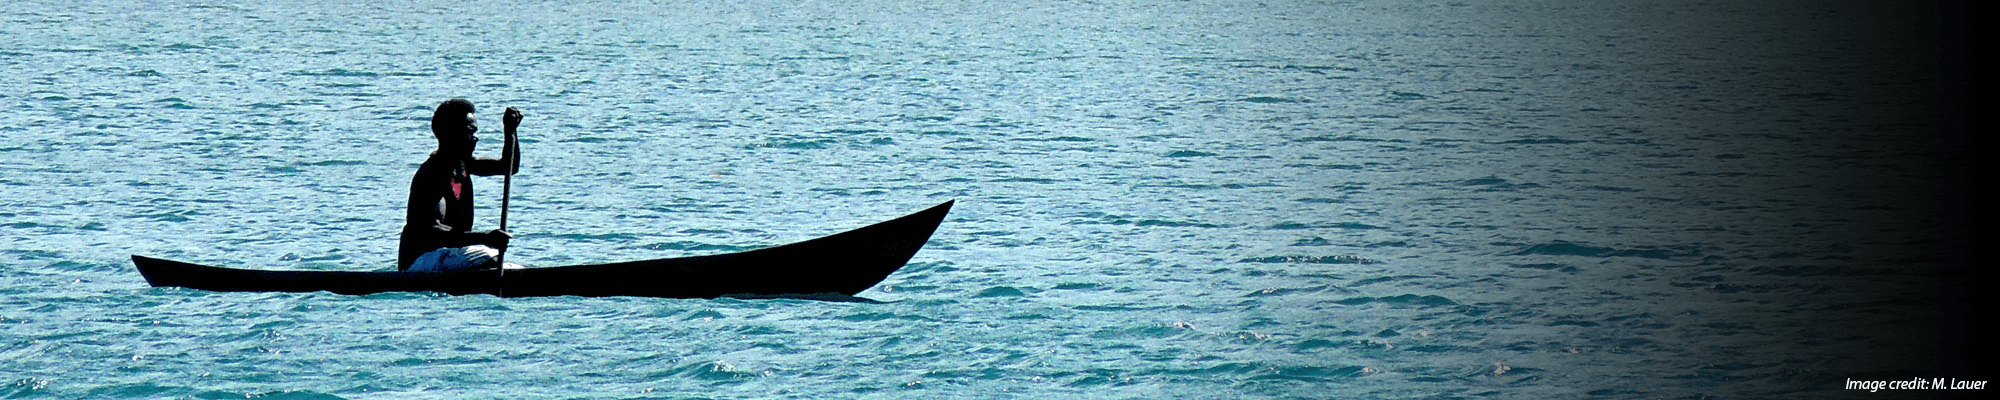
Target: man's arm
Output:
[{"x": 508, "y": 151}]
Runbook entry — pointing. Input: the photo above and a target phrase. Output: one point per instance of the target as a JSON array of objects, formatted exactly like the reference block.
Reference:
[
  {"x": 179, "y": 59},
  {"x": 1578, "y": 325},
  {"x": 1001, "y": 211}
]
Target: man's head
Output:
[{"x": 454, "y": 125}]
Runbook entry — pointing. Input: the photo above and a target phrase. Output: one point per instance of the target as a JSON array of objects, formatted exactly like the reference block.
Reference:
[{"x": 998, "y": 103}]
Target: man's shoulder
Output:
[
  {"x": 432, "y": 171},
  {"x": 435, "y": 165}
]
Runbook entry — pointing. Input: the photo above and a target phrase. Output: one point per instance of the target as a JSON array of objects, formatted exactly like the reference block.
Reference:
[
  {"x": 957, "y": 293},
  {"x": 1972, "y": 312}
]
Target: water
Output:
[{"x": 1157, "y": 199}]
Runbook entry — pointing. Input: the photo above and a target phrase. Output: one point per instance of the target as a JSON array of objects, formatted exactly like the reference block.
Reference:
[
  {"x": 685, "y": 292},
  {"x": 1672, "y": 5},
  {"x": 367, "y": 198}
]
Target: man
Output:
[{"x": 438, "y": 235}]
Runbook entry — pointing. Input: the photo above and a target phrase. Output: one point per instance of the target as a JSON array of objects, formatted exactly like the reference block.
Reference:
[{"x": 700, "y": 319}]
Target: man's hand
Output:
[
  {"x": 481, "y": 256},
  {"x": 512, "y": 119},
  {"x": 498, "y": 238},
  {"x": 509, "y": 152}
]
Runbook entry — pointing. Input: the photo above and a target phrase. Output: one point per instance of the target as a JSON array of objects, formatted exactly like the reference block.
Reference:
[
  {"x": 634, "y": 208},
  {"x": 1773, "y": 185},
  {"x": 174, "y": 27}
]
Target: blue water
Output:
[{"x": 1157, "y": 199}]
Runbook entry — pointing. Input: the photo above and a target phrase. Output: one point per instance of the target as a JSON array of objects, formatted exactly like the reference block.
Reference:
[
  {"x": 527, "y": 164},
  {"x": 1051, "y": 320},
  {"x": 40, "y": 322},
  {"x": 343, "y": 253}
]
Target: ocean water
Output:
[{"x": 1157, "y": 199}]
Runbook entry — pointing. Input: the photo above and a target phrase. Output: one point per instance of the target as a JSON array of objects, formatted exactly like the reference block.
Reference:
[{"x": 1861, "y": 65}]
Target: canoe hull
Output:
[{"x": 845, "y": 263}]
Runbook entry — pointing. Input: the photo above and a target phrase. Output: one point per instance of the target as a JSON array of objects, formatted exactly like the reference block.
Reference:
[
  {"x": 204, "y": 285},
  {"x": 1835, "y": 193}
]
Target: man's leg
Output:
[{"x": 456, "y": 258}]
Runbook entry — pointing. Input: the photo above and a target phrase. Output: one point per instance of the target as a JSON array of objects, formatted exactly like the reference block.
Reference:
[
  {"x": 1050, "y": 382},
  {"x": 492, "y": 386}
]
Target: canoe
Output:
[{"x": 845, "y": 263}]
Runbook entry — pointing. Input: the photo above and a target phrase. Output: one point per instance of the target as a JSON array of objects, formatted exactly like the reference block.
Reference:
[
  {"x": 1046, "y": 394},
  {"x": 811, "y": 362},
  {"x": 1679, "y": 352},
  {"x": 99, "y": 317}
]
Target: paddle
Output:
[{"x": 510, "y": 120}]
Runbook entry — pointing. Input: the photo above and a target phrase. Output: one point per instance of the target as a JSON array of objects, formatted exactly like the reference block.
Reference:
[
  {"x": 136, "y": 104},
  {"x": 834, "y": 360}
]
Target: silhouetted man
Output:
[{"x": 438, "y": 235}]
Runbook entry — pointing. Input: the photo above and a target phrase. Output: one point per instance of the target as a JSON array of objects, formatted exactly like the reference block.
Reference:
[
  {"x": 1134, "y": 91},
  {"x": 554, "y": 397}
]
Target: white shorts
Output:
[{"x": 454, "y": 258}]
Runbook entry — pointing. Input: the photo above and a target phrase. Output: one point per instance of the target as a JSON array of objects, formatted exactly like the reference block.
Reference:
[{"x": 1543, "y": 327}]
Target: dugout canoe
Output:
[{"x": 845, "y": 263}]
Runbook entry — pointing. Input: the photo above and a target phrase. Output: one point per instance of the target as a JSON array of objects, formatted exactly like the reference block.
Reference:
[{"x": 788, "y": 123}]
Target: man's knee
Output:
[{"x": 457, "y": 258}]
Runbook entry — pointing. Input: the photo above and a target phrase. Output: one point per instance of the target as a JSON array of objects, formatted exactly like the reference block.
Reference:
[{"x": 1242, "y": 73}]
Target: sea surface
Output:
[{"x": 1156, "y": 199}]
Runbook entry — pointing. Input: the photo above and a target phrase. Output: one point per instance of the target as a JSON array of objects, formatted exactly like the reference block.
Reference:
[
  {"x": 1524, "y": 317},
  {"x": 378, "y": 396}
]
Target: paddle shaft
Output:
[
  {"x": 512, "y": 149},
  {"x": 506, "y": 191}
]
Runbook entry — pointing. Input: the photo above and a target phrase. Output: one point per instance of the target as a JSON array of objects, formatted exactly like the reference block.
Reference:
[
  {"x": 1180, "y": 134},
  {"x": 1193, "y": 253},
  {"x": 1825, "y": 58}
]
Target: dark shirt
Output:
[{"x": 440, "y": 210}]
